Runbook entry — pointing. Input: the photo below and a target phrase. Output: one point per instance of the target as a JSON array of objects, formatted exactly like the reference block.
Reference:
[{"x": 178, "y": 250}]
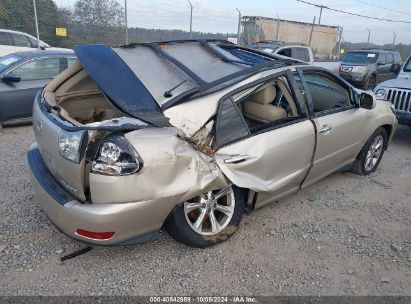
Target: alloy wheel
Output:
[
  {"x": 374, "y": 153},
  {"x": 211, "y": 212}
]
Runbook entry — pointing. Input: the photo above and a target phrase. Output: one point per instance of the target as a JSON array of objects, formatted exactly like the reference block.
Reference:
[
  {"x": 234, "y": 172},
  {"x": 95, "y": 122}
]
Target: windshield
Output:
[
  {"x": 407, "y": 65},
  {"x": 360, "y": 57},
  {"x": 8, "y": 61}
]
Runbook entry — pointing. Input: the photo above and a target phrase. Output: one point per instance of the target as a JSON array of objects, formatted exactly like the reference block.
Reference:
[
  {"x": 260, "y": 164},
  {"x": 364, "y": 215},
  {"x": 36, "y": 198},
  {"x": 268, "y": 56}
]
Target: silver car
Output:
[
  {"x": 188, "y": 135},
  {"x": 398, "y": 92}
]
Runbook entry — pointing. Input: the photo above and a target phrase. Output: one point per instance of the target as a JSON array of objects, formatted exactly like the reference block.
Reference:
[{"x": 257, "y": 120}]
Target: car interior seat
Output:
[{"x": 258, "y": 106}]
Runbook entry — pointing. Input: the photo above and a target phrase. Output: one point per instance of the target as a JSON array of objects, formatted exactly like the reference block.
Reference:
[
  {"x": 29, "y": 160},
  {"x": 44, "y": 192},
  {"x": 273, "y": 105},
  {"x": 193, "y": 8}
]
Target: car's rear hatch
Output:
[{"x": 119, "y": 85}]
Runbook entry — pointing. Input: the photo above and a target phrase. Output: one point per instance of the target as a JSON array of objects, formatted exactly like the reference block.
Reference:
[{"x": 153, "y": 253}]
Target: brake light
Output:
[{"x": 95, "y": 235}]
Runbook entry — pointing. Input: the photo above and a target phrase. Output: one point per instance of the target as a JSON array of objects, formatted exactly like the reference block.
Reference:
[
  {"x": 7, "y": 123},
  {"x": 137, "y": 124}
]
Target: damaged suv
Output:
[{"x": 188, "y": 135}]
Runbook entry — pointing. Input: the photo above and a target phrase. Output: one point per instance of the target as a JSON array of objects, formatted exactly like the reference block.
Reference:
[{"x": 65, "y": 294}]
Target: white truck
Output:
[{"x": 296, "y": 51}]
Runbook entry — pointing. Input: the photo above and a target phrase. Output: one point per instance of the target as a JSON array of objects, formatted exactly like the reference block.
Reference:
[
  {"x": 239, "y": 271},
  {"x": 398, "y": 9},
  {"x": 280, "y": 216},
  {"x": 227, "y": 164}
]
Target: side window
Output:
[
  {"x": 5, "y": 39},
  {"x": 230, "y": 125},
  {"x": 390, "y": 58},
  {"x": 21, "y": 40},
  {"x": 300, "y": 54},
  {"x": 382, "y": 58},
  {"x": 267, "y": 105},
  {"x": 33, "y": 42},
  {"x": 397, "y": 58},
  {"x": 71, "y": 61},
  {"x": 327, "y": 95},
  {"x": 285, "y": 52},
  {"x": 42, "y": 68}
]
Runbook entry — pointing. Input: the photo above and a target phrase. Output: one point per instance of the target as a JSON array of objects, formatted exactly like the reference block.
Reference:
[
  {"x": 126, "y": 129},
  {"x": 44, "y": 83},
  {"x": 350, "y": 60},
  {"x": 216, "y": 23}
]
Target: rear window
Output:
[
  {"x": 8, "y": 61},
  {"x": 390, "y": 58},
  {"x": 360, "y": 57},
  {"x": 301, "y": 54}
]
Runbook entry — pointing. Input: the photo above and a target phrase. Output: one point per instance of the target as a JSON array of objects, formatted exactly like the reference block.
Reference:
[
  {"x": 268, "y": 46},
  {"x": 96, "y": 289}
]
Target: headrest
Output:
[{"x": 264, "y": 96}]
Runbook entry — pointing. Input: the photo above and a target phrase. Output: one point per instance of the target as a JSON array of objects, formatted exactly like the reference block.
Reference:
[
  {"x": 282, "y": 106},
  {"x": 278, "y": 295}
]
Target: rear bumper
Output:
[{"x": 132, "y": 222}]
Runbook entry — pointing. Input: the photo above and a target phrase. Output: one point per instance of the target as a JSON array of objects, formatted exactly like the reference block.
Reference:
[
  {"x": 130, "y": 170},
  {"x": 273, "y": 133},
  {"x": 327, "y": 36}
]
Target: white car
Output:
[{"x": 14, "y": 41}]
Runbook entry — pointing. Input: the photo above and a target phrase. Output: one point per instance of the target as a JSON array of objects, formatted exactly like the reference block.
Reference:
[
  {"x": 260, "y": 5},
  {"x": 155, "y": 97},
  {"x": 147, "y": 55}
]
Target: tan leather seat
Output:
[{"x": 258, "y": 106}]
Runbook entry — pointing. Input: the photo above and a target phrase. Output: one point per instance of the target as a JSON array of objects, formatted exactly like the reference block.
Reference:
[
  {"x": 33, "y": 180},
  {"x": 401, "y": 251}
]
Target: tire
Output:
[
  {"x": 181, "y": 223},
  {"x": 371, "y": 82},
  {"x": 370, "y": 156}
]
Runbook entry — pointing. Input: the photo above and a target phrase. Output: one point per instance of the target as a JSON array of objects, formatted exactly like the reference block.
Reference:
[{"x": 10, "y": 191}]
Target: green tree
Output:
[
  {"x": 19, "y": 15},
  {"x": 99, "y": 13}
]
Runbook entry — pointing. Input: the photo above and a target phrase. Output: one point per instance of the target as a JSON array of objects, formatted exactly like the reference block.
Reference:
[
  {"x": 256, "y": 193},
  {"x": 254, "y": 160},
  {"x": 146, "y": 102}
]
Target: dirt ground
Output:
[{"x": 347, "y": 235}]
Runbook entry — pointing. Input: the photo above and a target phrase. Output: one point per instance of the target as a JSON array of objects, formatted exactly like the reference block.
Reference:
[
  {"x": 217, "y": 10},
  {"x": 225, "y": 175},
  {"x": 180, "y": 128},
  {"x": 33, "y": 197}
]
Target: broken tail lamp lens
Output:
[
  {"x": 116, "y": 157},
  {"x": 69, "y": 145}
]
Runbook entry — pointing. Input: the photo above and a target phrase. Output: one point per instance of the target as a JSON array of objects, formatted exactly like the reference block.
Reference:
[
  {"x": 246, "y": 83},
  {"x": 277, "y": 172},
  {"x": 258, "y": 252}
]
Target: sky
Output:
[{"x": 221, "y": 15}]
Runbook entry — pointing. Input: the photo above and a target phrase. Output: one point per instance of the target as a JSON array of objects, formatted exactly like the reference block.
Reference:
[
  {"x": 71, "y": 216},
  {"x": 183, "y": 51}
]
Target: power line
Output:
[
  {"x": 353, "y": 14},
  {"x": 382, "y": 7}
]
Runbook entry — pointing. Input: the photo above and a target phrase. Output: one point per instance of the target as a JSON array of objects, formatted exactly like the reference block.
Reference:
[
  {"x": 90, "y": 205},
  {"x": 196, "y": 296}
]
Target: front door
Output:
[{"x": 338, "y": 120}]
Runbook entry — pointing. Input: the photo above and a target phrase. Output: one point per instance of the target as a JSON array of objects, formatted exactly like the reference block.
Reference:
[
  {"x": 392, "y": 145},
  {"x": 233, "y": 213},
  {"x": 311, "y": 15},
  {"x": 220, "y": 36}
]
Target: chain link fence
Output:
[{"x": 64, "y": 23}]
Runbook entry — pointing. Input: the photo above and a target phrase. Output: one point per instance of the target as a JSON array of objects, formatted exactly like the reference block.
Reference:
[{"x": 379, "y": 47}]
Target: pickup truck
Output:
[{"x": 296, "y": 51}]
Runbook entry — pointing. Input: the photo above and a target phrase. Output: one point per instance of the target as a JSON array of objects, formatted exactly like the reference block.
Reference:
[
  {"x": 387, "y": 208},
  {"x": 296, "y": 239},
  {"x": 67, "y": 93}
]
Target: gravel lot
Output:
[{"x": 347, "y": 235}]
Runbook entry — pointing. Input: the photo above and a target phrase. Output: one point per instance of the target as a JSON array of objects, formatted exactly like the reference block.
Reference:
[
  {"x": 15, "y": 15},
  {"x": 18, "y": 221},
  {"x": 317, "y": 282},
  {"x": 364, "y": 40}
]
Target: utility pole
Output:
[
  {"x": 125, "y": 12},
  {"x": 239, "y": 27},
  {"x": 191, "y": 18},
  {"x": 321, "y": 12},
  {"x": 311, "y": 33},
  {"x": 395, "y": 36},
  {"x": 278, "y": 27},
  {"x": 368, "y": 40},
  {"x": 339, "y": 43},
  {"x": 37, "y": 24}
]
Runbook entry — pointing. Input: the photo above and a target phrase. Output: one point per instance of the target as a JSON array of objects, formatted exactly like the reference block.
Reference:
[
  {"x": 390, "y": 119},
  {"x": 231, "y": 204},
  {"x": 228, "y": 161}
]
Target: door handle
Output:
[
  {"x": 236, "y": 159},
  {"x": 325, "y": 129}
]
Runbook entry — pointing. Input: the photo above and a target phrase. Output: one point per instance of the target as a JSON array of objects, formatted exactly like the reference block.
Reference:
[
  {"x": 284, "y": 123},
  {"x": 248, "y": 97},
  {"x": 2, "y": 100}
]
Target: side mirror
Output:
[
  {"x": 395, "y": 68},
  {"x": 10, "y": 78},
  {"x": 367, "y": 101},
  {"x": 381, "y": 63}
]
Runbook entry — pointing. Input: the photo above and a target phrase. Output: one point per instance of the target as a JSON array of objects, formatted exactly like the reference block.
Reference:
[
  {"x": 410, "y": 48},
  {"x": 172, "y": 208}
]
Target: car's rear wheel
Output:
[
  {"x": 208, "y": 219},
  {"x": 370, "y": 156}
]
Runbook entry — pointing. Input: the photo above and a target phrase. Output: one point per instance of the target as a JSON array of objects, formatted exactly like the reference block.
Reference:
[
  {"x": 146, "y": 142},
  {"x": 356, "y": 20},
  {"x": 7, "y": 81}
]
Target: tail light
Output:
[{"x": 116, "y": 156}]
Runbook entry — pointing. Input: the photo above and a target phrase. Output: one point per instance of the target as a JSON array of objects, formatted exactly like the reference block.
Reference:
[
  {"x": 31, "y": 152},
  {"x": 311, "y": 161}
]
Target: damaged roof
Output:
[{"x": 142, "y": 79}]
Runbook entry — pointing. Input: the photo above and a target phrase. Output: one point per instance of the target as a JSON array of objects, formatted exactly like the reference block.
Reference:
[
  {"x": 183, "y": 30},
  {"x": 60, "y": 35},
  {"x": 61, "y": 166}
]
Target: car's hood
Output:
[
  {"x": 399, "y": 83},
  {"x": 118, "y": 82},
  {"x": 353, "y": 63}
]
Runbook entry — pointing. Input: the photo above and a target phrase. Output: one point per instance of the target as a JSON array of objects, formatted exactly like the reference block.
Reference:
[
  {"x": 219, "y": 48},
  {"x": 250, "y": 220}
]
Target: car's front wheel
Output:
[
  {"x": 208, "y": 219},
  {"x": 371, "y": 82},
  {"x": 370, "y": 156}
]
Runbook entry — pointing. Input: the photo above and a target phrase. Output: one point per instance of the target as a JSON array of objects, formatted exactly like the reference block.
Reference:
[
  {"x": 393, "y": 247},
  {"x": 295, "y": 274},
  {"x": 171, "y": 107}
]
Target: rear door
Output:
[
  {"x": 17, "y": 97},
  {"x": 338, "y": 120},
  {"x": 271, "y": 156}
]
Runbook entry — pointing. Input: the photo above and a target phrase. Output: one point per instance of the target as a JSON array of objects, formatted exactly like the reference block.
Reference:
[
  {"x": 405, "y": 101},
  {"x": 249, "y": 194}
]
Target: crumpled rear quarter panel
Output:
[{"x": 172, "y": 169}]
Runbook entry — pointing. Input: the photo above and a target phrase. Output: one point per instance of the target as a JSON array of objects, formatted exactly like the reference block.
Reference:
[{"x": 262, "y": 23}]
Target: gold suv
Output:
[{"x": 188, "y": 135}]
